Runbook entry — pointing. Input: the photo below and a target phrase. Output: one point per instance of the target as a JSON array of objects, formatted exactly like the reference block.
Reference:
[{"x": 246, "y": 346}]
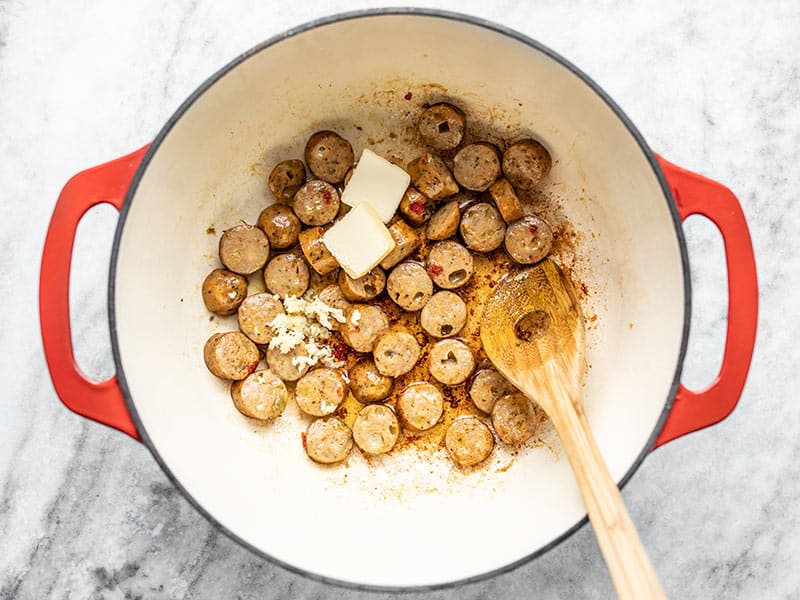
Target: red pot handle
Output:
[
  {"x": 696, "y": 195},
  {"x": 100, "y": 401}
]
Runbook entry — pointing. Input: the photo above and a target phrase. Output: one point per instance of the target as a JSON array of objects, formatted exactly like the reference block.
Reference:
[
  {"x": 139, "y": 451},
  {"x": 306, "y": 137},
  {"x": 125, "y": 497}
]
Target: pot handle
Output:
[
  {"x": 696, "y": 195},
  {"x": 100, "y": 401}
]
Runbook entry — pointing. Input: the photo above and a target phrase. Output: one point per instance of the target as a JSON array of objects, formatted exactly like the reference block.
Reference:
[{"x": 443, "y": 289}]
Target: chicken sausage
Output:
[
  {"x": 316, "y": 203},
  {"x": 395, "y": 352},
  {"x": 409, "y": 286},
  {"x": 363, "y": 288},
  {"x": 420, "y": 406},
  {"x": 450, "y": 265},
  {"x": 320, "y": 391},
  {"x": 444, "y": 315},
  {"x": 287, "y": 275},
  {"x": 468, "y": 441},
  {"x": 506, "y": 200},
  {"x": 261, "y": 395},
  {"x": 230, "y": 355},
  {"x": 444, "y": 222},
  {"x": 281, "y": 226},
  {"x": 317, "y": 255},
  {"x": 415, "y": 207},
  {"x": 528, "y": 240},
  {"x": 376, "y": 429},
  {"x": 526, "y": 163},
  {"x": 515, "y": 418},
  {"x": 406, "y": 240},
  {"x": 286, "y": 178},
  {"x": 224, "y": 291},
  {"x": 329, "y": 156},
  {"x": 291, "y": 365},
  {"x": 256, "y": 313},
  {"x": 328, "y": 440},
  {"x": 477, "y": 166},
  {"x": 243, "y": 249},
  {"x": 442, "y": 126},
  {"x": 431, "y": 176},
  {"x": 450, "y": 361},
  {"x": 363, "y": 326},
  {"x": 486, "y": 387},
  {"x": 368, "y": 384},
  {"x": 482, "y": 227}
]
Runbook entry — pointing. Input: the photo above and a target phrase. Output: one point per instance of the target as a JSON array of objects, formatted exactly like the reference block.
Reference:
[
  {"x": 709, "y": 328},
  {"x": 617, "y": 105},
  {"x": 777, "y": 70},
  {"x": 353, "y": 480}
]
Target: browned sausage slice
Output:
[
  {"x": 376, "y": 429},
  {"x": 515, "y": 418},
  {"x": 261, "y": 395},
  {"x": 256, "y": 313},
  {"x": 526, "y": 163},
  {"x": 291, "y": 365},
  {"x": 363, "y": 326},
  {"x": 363, "y": 288},
  {"x": 450, "y": 361},
  {"x": 320, "y": 391},
  {"x": 243, "y": 249},
  {"x": 431, "y": 176},
  {"x": 487, "y": 387},
  {"x": 528, "y": 240},
  {"x": 230, "y": 355},
  {"x": 477, "y": 166},
  {"x": 317, "y": 255},
  {"x": 442, "y": 126},
  {"x": 328, "y": 440},
  {"x": 316, "y": 203},
  {"x": 224, "y": 291},
  {"x": 482, "y": 227},
  {"x": 409, "y": 286},
  {"x": 395, "y": 353},
  {"x": 469, "y": 441},
  {"x": 368, "y": 384},
  {"x": 287, "y": 275},
  {"x": 329, "y": 156},
  {"x": 280, "y": 224},
  {"x": 506, "y": 200},
  {"x": 450, "y": 265},
  {"x": 444, "y": 222},
  {"x": 406, "y": 240},
  {"x": 415, "y": 207},
  {"x": 333, "y": 297},
  {"x": 444, "y": 315},
  {"x": 286, "y": 178},
  {"x": 420, "y": 406}
]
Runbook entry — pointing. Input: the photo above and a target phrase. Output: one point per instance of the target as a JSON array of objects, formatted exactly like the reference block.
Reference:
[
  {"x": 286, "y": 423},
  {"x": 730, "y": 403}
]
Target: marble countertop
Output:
[{"x": 85, "y": 512}]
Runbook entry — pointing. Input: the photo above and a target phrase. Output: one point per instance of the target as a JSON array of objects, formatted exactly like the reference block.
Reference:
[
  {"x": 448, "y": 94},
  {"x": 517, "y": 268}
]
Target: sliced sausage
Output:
[
  {"x": 506, "y": 200},
  {"x": 526, "y": 163},
  {"x": 415, "y": 207},
  {"x": 528, "y": 240},
  {"x": 363, "y": 288},
  {"x": 230, "y": 355},
  {"x": 469, "y": 441},
  {"x": 482, "y": 227},
  {"x": 224, "y": 291},
  {"x": 444, "y": 222},
  {"x": 260, "y": 395},
  {"x": 409, "y": 286},
  {"x": 291, "y": 365},
  {"x": 329, "y": 156},
  {"x": 256, "y": 313},
  {"x": 368, "y": 384},
  {"x": 450, "y": 361},
  {"x": 515, "y": 418},
  {"x": 316, "y": 203},
  {"x": 286, "y": 178},
  {"x": 477, "y": 166},
  {"x": 317, "y": 255},
  {"x": 444, "y": 315},
  {"x": 281, "y": 226},
  {"x": 333, "y": 297},
  {"x": 406, "y": 240},
  {"x": 363, "y": 326},
  {"x": 328, "y": 440},
  {"x": 320, "y": 392},
  {"x": 442, "y": 126},
  {"x": 395, "y": 353},
  {"x": 420, "y": 406},
  {"x": 287, "y": 275},
  {"x": 450, "y": 265},
  {"x": 243, "y": 249},
  {"x": 486, "y": 387},
  {"x": 376, "y": 429},
  {"x": 431, "y": 176}
]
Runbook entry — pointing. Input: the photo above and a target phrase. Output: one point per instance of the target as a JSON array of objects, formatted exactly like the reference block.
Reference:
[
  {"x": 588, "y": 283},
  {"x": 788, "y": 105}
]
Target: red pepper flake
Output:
[
  {"x": 407, "y": 96},
  {"x": 327, "y": 198},
  {"x": 534, "y": 229},
  {"x": 435, "y": 270},
  {"x": 417, "y": 207},
  {"x": 339, "y": 351},
  {"x": 252, "y": 367},
  {"x": 303, "y": 437}
]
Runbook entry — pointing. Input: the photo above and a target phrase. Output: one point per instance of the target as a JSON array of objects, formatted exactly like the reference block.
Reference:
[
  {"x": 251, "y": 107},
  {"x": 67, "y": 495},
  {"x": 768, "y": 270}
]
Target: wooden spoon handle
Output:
[{"x": 631, "y": 571}]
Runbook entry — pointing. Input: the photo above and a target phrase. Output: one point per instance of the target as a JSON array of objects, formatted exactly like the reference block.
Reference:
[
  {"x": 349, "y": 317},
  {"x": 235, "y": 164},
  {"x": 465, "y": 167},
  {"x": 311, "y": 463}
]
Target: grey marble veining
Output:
[{"x": 86, "y": 513}]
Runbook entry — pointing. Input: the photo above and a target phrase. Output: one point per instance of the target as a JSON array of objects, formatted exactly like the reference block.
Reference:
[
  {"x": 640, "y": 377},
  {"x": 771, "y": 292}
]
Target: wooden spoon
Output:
[{"x": 533, "y": 332}]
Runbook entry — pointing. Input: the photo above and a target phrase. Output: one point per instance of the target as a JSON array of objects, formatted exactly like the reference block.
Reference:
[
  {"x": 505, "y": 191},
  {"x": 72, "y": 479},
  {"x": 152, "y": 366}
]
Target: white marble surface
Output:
[{"x": 86, "y": 513}]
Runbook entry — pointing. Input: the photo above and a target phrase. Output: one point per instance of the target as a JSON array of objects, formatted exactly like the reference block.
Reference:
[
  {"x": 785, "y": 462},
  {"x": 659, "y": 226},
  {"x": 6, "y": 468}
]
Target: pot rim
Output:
[{"x": 359, "y": 14}]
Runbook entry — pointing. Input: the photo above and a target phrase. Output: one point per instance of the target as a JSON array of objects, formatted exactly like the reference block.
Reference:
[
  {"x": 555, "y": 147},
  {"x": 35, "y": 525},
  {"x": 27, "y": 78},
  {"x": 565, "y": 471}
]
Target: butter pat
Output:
[
  {"x": 377, "y": 181},
  {"x": 359, "y": 241}
]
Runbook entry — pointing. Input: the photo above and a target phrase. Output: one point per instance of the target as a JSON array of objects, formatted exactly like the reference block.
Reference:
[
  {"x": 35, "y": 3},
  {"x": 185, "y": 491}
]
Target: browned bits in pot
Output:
[
  {"x": 286, "y": 178},
  {"x": 283, "y": 364},
  {"x": 528, "y": 240},
  {"x": 420, "y": 406},
  {"x": 526, "y": 163},
  {"x": 431, "y": 176},
  {"x": 415, "y": 207},
  {"x": 223, "y": 291},
  {"x": 316, "y": 203},
  {"x": 406, "y": 240},
  {"x": 243, "y": 249},
  {"x": 363, "y": 288},
  {"x": 281, "y": 226},
  {"x": 482, "y": 227},
  {"x": 450, "y": 361},
  {"x": 363, "y": 325},
  {"x": 320, "y": 392},
  {"x": 444, "y": 315},
  {"x": 450, "y": 265},
  {"x": 261, "y": 395},
  {"x": 328, "y": 440},
  {"x": 368, "y": 384},
  {"x": 515, "y": 418},
  {"x": 468, "y": 441},
  {"x": 409, "y": 286},
  {"x": 329, "y": 156},
  {"x": 230, "y": 355},
  {"x": 395, "y": 352},
  {"x": 256, "y": 313},
  {"x": 317, "y": 255},
  {"x": 477, "y": 166},
  {"x": 442, "y": 126},
  {"x": 444, "y": 222},
  {"x": 376, "y": 429},
  {"x": 506, "y": 200},
  {"x": 287, "y": 275},
  {"x": 487, "y": 387}
]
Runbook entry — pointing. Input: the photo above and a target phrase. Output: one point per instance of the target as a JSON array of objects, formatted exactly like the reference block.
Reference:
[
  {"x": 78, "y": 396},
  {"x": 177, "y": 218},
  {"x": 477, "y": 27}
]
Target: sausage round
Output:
[
  {"x": 506, "y": 200},
  {"x": 328, "y": 440},
  {"x": 395, "y": 353},
  {"x": 526, "y": 163},
  {"x": 329, "y": 156},
  {"x": 409, "y": 286},
  {"x": 316, "y": 203},
  {"x": 415, "y": 207},
  {"x": 283, "y": 364},
  {"x": 528, "y": 240},
  {"x": 444, "y": 315},
  {"x": 450, "y": 362},
  {"x": 363, "y": 326},
  {"x": 280, "y": 224},
  {"x": 333, "y": 297},
  {"x": 287, "y": 275},
  {"x": 420, "y": 406},
  {"x": 406, "y": 240},
  {"x": 477, "y": 166},
  {"x": 243, "y": 249},
  {"x": 320, "y": 392},
  {"x": 469, "y": 441},
  {"x": 224, "y": 291},
  {"x": 367, "y": 383},
  {"x": 442, "y": 126},
  {"x": 515, "y": 418},
  {"x": 230, "y": 355},
  {"x": 376, "y": 429},
  {"x": 444, "y": 222},
  {"x": 486, "y": 387},
  {"x": 260, "y": 395},
  {"x": 286, "y": 178},
  {"x": 482, "y": 227},
  {"x": 365, "y": 287},
  {"x": 431, "y": 176},
  {"x": 317, "y": 255},
  {"x": 450, "y": 265},
  {"x": 256, "y": 313}
]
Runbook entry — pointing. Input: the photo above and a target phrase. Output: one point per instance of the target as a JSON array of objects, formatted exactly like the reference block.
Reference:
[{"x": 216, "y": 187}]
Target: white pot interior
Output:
[{"x": 401, "y": 520}]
